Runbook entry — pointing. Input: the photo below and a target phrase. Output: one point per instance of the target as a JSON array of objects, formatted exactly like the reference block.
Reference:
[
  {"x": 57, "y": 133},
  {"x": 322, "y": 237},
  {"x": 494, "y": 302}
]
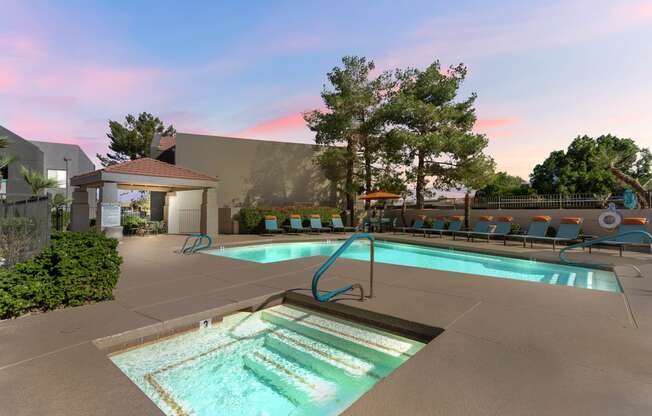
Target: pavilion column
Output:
[
  {"x": 209, "y": 212},
  {"x": 108, "y": 211},
  {"x": 79, "y": 210}
]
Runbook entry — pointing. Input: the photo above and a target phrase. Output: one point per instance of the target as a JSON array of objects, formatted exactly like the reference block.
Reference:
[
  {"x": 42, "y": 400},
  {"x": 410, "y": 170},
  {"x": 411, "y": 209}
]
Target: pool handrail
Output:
[
  {"x": 196, "y": 243},
  {"x": 589, "y": 243},
  {"x": 328, "y": 263}
]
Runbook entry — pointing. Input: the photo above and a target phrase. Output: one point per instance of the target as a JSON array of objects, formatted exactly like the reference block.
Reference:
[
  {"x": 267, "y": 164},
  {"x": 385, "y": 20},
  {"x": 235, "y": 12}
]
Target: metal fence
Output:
[
  {"x": 24, "y": 229},
  {"x": 561, "y": 201}
]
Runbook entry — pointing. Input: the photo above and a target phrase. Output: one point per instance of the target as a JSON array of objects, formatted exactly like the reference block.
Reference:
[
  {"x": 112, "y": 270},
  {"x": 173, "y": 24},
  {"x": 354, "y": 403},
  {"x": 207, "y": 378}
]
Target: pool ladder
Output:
[
  {"x": 328, "y": 263},
  {"x": 196, "y": 242}
]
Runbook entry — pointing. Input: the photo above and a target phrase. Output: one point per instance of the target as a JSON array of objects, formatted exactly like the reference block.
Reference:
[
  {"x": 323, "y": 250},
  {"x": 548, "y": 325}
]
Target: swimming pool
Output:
[
  {"x": 284, "y": 360},
  {"x": 434, "y": 258}
]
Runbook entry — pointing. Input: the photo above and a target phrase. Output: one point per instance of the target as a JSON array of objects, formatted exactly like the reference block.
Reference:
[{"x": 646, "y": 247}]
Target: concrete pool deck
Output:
[{"x": 508, "y": 347}]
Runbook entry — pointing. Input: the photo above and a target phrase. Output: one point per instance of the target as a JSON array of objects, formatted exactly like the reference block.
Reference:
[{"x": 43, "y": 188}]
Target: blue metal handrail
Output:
[
  {"x": 328, "y": 263},
  {"x": 196, "y": 244},
  {"x": 610, "y": 238}
]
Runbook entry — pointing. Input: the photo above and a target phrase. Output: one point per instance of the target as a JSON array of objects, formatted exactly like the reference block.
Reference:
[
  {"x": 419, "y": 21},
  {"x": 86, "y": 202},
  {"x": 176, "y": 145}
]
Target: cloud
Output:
[
  {"x": 275, "y": 126},
  {"x": 492, "y": 123}
]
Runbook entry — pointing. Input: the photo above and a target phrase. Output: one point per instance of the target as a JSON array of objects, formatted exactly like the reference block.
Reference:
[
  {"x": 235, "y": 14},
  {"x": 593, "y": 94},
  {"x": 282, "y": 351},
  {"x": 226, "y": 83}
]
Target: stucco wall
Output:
[
  {"x": 255, "y": 172},
  {"x": 28, "y": 155},
  {"x": 523, "y": 216}
]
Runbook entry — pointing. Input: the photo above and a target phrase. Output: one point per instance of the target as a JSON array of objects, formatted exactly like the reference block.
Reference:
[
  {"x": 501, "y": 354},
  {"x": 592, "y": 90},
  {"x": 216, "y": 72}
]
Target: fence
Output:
[
  {"x": 570, "y": 201},
  {"x": 24, "y": 229}
]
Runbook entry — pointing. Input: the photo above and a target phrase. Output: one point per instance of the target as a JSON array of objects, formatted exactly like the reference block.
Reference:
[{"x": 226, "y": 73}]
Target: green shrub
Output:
[
  {"x": 132, "y": 223},
  {"x": 18, "y": 237},
  {"x": 251, "y": 219},
  {"x": 76, "y": 268}
]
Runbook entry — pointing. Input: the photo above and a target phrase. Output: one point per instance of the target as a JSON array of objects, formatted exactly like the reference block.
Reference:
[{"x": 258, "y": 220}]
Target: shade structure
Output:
[{"x": 380, "y": 195}]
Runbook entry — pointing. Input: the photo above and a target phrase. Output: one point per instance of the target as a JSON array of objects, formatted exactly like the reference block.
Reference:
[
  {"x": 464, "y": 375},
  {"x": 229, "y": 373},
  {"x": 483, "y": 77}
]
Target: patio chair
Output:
[
  {"x": 438, "y": 226},
  {"x": 271, "y": 225},
  {"x": 454, "y": 225},
  {"x": 568, "y": 232},
  {"x": 416, "y": 225},
  {"x": 502, "y": 228},
  {"x": 538, "y": 228},
  {"x": 316, "y": 225},
  {"x": 629, "y": 224},
  {"x": 338, "y": 225},
  {"x": 480, "y": 226},
  {"x": 296, "y": 225}
]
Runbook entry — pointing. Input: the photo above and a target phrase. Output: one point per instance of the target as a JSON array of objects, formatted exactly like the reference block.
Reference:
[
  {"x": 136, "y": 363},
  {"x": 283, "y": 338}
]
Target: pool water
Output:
[
  {"x": 282, "y": 360},
  {"x": 434, "y": 258}
]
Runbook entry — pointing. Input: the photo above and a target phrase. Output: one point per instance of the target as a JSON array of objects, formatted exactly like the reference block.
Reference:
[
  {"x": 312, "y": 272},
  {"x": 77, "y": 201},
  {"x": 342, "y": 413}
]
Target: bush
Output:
[
  {"x": 131, "y": 223},
  {"x": 76, "y": 268},
  {"x": 251, "y": 218},
  {"x": 17, "y": 239}
]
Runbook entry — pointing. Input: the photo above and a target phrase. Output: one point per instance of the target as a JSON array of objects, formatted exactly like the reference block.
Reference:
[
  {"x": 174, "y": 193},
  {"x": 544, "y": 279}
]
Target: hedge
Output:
[
  {"x": 75, "y": 269},
  {"x": 251, "y": 219}
]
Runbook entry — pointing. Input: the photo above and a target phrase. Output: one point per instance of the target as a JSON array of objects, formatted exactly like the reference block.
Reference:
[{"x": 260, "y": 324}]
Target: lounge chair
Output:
[
  {"x": 338, "y": 225},
  {"x": 316, "y": 225},
  {"x": 502, "y": 228},
  {"x": 438, "y": 226},
  {"x": 481, "y": 226},
  {"x": 629, "y": 224},
  {"x": 296, "y": 225},
  {"x": 454, "y": 225},
  {"x": 538, "y": 228},
  {"x": 416, "y": 226},
  {"x": 568, "y": 232},
  {"x": 271, "y": 225}
]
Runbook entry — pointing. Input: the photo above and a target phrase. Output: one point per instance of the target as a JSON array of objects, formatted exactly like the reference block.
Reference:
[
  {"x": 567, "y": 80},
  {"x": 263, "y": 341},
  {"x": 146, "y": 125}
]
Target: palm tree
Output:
[
  {"x": 37, "y": 181},
  {"x": 5, "y": 160}
]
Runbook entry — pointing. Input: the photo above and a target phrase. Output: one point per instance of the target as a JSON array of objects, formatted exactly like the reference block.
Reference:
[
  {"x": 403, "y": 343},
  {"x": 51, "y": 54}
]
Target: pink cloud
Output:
[
  {"x": 275, "y": 126},
  {"x": 492, "y": 123},
  {"x": 7, "y": 79}
]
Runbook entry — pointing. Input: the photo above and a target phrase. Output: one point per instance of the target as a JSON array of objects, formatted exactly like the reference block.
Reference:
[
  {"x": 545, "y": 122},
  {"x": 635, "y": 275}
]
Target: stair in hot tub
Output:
[
  {"x": 363, "y": 342},
  {"x": 295, "y": 382}
]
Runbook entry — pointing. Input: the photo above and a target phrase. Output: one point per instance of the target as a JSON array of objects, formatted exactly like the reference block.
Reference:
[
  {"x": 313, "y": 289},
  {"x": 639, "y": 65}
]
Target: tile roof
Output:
[
  {"x": 152, "y": 167},
  {"x": 167, "y": 142}
]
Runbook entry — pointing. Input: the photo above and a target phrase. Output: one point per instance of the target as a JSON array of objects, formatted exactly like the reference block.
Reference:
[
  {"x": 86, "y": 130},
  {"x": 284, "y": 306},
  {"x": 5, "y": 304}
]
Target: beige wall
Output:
[
  {"x": 522, "y": 216},
  {"x": 255, "y": 172}
]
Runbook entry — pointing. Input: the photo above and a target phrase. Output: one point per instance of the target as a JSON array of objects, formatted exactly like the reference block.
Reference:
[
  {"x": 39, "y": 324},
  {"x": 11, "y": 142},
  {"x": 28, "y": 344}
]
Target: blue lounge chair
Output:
[
  {"x": 438, "y": 226},
  {"x": 454, "y": 225},
  {"x": 271, "y": 225},
  {"x": 481, "y": 226},
  {"x": 416, "y": 226},
  {"x": 503, "y": 227},
  {"x": 316, "y": 225},
  {"x": 538, "y": 228},
  {"x": 296, "y": 224},
  {"x": 568, "y": 232},
  {"x": 629, "y": 224},
  {"x": 338, "y": 225}
]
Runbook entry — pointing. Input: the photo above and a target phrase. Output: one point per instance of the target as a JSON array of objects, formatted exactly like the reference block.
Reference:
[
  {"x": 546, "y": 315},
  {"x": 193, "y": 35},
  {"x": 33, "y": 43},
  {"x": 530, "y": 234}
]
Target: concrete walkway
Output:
[{"x": 509, "y": 347}]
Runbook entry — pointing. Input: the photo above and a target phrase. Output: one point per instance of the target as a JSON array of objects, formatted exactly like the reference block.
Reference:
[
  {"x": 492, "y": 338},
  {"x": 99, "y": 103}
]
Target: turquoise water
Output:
[
  {"x": 279, "y": 361},
  {"x": 434, "y": 258}
]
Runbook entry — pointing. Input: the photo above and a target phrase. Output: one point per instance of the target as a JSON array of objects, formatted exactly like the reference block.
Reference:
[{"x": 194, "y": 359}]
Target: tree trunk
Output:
[
  {"x": 350, "y": 203},
  {"x": 367, "y": 176},
  {"x": 628, "y": 180},
  {"x": 421, "y": 179},
  {"x": 467, "y": 210}
]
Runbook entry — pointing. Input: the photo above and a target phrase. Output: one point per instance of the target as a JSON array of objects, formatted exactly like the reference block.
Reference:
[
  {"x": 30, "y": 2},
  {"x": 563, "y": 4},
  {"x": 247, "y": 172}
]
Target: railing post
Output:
[{"x": 371, "y": 270}]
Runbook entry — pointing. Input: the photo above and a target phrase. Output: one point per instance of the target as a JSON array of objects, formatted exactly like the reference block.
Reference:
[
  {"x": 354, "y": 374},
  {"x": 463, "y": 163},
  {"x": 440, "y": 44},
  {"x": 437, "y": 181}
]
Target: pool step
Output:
[
  {"x": 298, "y": 384},
  {"x": 362, "y": 342},
  {"x": 323, "y": 359}
]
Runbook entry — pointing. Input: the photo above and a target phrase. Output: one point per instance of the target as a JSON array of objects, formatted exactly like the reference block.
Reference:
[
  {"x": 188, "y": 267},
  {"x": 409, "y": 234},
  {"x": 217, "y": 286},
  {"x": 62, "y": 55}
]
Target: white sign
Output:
[{"x": 110, "y": 214}]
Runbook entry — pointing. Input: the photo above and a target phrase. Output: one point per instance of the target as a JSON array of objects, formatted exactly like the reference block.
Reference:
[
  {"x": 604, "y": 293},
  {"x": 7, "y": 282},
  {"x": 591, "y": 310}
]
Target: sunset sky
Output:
[{"x": 544, "y": 72}]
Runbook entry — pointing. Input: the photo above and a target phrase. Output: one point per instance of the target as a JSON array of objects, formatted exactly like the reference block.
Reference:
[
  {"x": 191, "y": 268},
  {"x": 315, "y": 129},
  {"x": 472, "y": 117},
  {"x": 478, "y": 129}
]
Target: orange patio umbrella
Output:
[{"x": 379, "y": 195}]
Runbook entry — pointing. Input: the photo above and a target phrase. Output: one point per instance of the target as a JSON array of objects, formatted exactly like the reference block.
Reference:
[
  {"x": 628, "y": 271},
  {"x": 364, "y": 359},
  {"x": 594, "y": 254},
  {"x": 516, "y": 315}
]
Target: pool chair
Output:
[
  {"x": 502, "y": 227},
  {"x": 538, "y": 228},
  {"x": 296, "y": 225},
  {"x": 481, "y": 226},
  {"x": 454, "y": 225},
  {"x": 271, "y": 225},
  {"x": 632, "y": 240},
  {"x": 416, "y": 226},
  {"x": 316, "y": 225},
  {"x": 568, "y": 232},
  {"x": 338, "y": 226},
  {"x": 438, "y": 227}
]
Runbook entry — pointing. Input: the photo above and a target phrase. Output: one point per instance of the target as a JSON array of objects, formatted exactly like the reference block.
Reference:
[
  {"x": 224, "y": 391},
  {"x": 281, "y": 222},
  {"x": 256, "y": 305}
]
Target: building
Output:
[
  {"x": 55, "y": 160},
  {"x": 250, "y": 172}
]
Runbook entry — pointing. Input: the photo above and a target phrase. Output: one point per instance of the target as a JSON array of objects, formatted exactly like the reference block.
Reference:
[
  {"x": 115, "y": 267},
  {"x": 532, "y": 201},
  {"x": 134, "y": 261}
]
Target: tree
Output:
[
  {"x": 596, "y": 166},
  {"x": 434, "y": 128},
  {"x": 504, "y": 184},
  {"x": 37, "y": 181},
  {"x": 349, "y": 121},
  {"x": 5, "y": 160},
  {"x": 133, "y": 139},
  {"x": 473, "y": 172}
]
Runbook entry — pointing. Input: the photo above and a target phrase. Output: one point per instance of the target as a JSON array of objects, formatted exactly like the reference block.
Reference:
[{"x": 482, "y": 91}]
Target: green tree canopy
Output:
[
  {"x": 585, "y": 166},
  {"x": 133, "y": 139},
  {"x": 504, "y": 184}
]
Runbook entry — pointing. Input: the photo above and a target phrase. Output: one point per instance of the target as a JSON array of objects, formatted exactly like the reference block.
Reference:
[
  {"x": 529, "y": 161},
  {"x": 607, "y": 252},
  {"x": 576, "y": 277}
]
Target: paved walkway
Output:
[{"x": 509, "y": 347}]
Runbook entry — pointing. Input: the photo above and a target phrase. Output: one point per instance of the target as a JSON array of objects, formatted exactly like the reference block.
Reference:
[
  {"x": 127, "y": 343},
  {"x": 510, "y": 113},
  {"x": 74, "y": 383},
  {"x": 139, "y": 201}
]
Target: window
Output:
[
  {"x": 59, "y": 175},
  {"x": 4, "y": 174}
]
